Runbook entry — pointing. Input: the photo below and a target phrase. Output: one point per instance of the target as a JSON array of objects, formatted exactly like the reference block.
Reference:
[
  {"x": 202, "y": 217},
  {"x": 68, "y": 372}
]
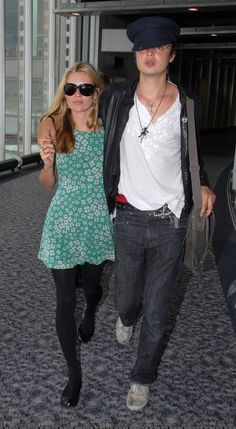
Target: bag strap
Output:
[{"x": 193, "y": 155}]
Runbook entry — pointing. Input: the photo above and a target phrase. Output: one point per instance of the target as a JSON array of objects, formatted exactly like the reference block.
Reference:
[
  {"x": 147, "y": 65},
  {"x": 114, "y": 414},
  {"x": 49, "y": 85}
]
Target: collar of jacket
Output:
[{"x": 128, "y": 99}]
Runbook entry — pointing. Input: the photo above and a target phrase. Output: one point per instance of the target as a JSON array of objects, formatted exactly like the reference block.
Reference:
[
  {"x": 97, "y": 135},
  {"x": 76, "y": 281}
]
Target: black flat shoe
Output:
[{"x": 70, "y": 395}]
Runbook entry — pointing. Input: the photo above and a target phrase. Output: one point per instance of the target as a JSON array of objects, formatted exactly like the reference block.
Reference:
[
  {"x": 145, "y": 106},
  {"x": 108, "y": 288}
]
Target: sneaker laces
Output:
[
  {"x": 138, "y": 389},
  {"x": 127, "y": 328}
]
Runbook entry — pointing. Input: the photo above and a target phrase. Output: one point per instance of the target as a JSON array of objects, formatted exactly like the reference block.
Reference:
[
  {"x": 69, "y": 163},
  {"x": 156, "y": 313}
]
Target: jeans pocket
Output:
[{"x": 178, "y": 223}]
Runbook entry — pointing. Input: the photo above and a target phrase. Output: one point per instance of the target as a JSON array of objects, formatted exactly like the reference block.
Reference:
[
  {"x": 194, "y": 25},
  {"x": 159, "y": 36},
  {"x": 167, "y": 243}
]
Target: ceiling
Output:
[{"x": 212, "y": 24}]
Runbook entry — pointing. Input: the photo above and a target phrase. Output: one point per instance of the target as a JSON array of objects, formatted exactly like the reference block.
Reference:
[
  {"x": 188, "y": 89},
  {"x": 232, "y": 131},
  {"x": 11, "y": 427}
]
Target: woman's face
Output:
[{"x": 78, "y": 102}]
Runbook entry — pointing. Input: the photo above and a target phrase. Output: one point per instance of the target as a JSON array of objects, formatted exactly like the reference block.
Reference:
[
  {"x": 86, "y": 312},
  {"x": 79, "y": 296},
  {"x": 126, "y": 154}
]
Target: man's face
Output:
[{"x": 154, "y": 61}]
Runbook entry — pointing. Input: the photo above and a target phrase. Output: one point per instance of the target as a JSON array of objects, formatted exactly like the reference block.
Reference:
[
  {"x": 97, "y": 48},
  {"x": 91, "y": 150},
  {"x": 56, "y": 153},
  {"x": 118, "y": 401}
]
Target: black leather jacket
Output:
[{"x": 116, "y": 102}]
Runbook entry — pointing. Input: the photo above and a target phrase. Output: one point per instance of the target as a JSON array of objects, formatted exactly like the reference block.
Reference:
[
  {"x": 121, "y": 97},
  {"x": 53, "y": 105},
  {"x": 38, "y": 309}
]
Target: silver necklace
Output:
[{"x": 144, "y": 130}]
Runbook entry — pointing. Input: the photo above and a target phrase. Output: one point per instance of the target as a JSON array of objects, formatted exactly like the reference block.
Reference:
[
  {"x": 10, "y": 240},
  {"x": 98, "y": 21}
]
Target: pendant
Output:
[{"x": 143, "y": 133}]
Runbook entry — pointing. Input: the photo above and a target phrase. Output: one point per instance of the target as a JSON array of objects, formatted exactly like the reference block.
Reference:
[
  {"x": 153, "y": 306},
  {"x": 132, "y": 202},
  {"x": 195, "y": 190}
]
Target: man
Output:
[{"x": 146, "y": 169}]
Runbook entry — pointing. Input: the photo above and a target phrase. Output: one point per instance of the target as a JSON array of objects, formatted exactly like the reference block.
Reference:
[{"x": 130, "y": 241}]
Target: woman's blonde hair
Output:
[{"x": 61, "y": 115}]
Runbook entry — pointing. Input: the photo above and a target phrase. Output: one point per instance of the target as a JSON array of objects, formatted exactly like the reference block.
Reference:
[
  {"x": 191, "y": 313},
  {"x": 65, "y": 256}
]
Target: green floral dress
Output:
[{"x": 78, "y": 227}]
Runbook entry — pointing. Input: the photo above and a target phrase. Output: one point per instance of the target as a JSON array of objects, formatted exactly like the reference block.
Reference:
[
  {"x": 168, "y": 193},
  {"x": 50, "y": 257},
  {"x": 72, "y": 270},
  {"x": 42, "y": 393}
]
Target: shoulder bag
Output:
[{"x": 199, "y": 229}]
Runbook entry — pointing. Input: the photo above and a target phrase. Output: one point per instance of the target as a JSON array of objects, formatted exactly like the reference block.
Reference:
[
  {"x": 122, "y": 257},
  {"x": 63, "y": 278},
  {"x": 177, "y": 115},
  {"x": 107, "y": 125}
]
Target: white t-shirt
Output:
[{"x": 151, "y": 170}]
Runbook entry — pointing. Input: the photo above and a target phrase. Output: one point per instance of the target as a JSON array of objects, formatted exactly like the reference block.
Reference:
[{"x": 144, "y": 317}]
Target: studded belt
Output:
[{"x": 161, "y": 212}]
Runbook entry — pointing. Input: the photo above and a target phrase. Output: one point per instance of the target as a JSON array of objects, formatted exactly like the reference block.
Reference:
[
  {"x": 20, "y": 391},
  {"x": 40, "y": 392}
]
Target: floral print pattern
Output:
[{"x": 78, "y": 227}]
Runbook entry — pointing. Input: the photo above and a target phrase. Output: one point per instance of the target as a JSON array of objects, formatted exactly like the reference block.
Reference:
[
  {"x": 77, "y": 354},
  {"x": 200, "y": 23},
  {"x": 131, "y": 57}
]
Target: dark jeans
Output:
[{"x": 148, "y": 256}]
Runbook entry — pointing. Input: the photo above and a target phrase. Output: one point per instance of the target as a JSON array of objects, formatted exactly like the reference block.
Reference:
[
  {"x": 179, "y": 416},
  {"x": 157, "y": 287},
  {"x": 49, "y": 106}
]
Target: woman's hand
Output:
[{"x": 47, "y": 152}]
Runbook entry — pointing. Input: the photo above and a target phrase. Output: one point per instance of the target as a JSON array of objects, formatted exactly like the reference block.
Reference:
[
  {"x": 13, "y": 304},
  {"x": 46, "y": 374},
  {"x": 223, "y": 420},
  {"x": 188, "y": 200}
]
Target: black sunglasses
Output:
[{"x": 85, "y": 89}]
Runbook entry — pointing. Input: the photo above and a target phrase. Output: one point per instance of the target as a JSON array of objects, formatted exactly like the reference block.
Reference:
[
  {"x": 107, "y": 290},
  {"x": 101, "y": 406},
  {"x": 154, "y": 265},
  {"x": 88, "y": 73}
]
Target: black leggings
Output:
[{"x": 65, "y": 280}]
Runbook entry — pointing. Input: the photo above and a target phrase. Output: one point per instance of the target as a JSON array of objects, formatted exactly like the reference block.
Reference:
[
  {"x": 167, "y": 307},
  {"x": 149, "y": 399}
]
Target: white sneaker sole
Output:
[
  {"x": 136, "y": 407},
  {"x": 137, "y": 401}
]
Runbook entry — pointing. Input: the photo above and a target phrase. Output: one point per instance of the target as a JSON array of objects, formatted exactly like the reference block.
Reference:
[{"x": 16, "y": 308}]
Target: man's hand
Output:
[
  {"x": 46, "y": 130},
  {"x": 46, "y": 137},
  {"x": 208, "y": 200}
]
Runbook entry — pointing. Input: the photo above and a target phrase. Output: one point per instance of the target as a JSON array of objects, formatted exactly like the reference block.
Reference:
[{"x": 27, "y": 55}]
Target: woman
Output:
[{"x": 77, "y": 231}]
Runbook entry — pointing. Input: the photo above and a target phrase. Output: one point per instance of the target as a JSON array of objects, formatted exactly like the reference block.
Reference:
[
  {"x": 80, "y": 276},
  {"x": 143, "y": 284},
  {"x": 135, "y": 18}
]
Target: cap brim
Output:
[{"x": 151, "y": 44}]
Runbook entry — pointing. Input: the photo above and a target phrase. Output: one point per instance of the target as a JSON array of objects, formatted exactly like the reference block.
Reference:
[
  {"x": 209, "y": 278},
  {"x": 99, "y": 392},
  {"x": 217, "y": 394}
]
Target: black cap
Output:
[{"x": 152, "y": 32}]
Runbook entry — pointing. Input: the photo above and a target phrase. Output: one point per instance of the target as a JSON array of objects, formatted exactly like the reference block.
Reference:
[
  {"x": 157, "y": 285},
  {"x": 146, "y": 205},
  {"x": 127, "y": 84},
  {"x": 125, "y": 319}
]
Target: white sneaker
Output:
[
  {"x": 137, "y": 397},
  {"x": 123, "y": 333}
]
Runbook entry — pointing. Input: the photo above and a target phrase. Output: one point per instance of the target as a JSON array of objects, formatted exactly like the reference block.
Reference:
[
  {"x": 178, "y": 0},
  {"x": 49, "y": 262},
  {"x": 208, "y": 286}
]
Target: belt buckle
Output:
[{"x": 161, "y": 212}]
